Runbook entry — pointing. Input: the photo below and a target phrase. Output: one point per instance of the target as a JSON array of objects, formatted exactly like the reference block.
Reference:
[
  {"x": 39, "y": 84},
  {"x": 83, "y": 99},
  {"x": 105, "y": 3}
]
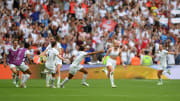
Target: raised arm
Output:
[
  {"x": 96, "y": 52},
  {"x": 171, "y": 52},
  {"x": 59, "y": 56}
]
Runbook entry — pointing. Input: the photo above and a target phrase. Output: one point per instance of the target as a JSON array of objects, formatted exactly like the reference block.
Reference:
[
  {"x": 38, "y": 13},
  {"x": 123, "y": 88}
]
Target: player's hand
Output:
[{"x": 5, "y": 65}]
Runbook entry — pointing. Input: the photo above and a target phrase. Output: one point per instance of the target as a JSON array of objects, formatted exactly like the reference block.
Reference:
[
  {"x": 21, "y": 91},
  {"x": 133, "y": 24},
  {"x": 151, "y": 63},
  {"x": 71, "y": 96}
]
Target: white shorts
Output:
[
  {"x": 12, "y": 66},
  {"x": 111, "y": 62},
  {"x": 58, "y": 61},
  {"x": 23, "y": 67},
  {"x": 74, "y": 68},
  {"x": 162, "y": 67},
  {"x": 51, "y": 69}
]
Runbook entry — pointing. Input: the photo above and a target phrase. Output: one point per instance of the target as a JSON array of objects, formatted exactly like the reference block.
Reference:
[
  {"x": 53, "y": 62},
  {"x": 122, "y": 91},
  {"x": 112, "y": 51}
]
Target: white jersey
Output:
[
  {"x": 58, "y": 60},
  {"x": 74, "y": 52},
  {"x": 51, "y": 58},
  {"x": 80, "y": 56},
  {"x": 163, "y": 57}
]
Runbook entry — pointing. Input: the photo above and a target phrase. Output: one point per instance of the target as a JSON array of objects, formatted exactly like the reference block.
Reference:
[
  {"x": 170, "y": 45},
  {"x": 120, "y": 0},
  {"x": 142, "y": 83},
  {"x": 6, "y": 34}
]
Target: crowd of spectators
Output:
[{"x": 78, "y": 22}]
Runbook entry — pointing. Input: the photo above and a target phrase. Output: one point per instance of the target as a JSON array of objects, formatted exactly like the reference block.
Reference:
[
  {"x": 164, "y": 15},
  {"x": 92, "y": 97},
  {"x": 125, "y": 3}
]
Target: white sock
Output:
[
  {"x": 58, "y": 80},
  {"x": 22, "y": 77},
  {"x": 65, "y": 80},
  {"x": 26, "y": 77},
  {"x": 52, "y": 81},
  {"x": 84, "y": 78},
  {"x": 48, "y": 77},
  {"x": 112, "y": 78}
]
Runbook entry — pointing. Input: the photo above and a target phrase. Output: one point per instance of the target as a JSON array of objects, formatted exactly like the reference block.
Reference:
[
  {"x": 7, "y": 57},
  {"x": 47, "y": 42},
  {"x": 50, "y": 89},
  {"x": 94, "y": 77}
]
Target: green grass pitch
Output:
[{"x": 99, "y": 90}]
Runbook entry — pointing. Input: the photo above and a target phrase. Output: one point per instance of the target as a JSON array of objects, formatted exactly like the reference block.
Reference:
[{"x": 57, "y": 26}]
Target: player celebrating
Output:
[
  {"x": 111, "y": 62},
  {"x": 7, "y": 47},
  {"x": 20, "y": 60},
  {"x": 162, "y": 54},
  {"x": 48, "y": 76},
  {"x": 12, "y": 54},
  {"x": 58, "y": 61},
  {"x": 52, "y": 55},
  {"x": 75, "y": 66}
]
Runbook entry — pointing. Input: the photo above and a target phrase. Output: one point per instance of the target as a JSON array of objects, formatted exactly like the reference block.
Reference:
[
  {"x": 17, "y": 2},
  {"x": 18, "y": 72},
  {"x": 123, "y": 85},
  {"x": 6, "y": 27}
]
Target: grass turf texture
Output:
[{"x": 99, "y": 90}]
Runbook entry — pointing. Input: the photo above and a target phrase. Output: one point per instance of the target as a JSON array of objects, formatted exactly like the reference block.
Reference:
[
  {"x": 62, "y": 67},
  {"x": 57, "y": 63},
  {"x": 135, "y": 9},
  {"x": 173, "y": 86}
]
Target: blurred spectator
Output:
[
  {"x": 139, "y": 25},
  {"x": 146, "y": 59}
]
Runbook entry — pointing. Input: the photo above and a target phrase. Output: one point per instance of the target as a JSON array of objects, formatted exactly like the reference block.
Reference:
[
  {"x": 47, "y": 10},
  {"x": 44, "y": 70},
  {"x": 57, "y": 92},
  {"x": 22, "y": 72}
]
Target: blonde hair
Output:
[{"x": 116, "y": 42}]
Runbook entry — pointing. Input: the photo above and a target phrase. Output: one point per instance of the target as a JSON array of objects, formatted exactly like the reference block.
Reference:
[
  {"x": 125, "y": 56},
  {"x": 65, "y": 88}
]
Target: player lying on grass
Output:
[
  {"x": 162, "y": 54},
  {"x": 52, "y": 55},
  {"x": 76, "y": 66}
]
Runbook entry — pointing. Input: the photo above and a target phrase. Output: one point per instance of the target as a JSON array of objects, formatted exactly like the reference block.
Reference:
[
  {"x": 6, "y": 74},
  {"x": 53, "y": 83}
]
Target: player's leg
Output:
[
  {"x": 22, "y": 77},
  {"x": 16, "y": 73},
  {"x": 53, "y": 81},
  {"x": 72, "y": 71},
  {"x": 166, "y": 70},
  {"x": 159, "y": 74},
  {"x": 25, "y": 77},
  {"x": 26, "y": 74},
  {"x": 110, "y": 75},
  {"x": 14, "y": 78},
  {"x": 58, "y": 75},
  {"x": 84, "y": 77},
  {"x": 48, "y": 78},
  {"x": 17, "y": 78},
  {"x": 70, "y": 76}
]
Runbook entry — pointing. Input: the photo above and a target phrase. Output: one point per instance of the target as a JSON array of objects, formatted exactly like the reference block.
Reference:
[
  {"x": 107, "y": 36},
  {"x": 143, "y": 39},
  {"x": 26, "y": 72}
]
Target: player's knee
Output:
[
  {"x": 111, "y": 73},
  {"x": 70, "y": 76},
  {"x": 159, "y": 72},
  {"x": 14, "y": 71},
  {"x": 28, "y": 72},
  {"x": 85, "y": 72},
  {"x": 53, "y": 75}
]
